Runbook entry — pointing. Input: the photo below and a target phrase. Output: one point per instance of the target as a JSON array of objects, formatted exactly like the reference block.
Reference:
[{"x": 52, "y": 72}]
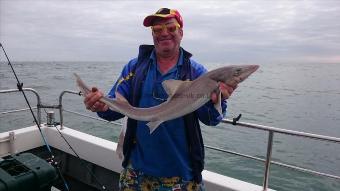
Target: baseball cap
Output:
[{"x": 163, "y": 13}]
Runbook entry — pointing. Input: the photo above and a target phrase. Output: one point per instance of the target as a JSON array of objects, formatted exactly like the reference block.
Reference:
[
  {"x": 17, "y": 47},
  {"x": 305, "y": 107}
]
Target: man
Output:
[{"x": 172, "y": 157}]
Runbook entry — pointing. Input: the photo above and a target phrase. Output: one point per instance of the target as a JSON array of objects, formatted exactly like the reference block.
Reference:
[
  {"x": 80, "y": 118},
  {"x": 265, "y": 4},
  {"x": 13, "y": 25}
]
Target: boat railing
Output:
[
  {"x": 25, "y": 109},
  {"x": 271, "y": 131}
]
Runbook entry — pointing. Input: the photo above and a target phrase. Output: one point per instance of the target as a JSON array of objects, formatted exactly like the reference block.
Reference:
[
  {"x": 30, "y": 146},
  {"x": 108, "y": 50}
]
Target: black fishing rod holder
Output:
[
  {"x": 50, "y": 119},
  {"x": 50, "y": 115}
]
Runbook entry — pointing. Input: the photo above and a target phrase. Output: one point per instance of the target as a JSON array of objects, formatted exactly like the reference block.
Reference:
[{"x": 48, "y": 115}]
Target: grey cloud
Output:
[{"x": 225, "y": 31}]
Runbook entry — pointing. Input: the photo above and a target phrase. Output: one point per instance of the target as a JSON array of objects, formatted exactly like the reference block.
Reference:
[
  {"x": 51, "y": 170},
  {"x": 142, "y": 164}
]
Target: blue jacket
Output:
[{"x": 134, "y": 74}]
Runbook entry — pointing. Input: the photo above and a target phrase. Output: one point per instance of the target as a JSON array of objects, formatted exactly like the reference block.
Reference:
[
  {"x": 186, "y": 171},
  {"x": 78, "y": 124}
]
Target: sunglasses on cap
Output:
[{"x": 170, "y": 27}]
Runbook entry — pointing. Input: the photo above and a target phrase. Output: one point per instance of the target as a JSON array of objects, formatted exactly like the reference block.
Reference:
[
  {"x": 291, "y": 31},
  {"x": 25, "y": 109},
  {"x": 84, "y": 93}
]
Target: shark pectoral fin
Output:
[
  {"x": 153, "y": 125},
  {"x": 171, "y": 86},
  {"x": 119, "y": 149},
  {"x": 217, "y": 105}
]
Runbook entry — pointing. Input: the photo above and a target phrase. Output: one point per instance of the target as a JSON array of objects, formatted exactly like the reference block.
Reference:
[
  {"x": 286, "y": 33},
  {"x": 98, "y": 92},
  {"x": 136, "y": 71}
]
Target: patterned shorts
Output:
[{"x": 133, "y": 180}]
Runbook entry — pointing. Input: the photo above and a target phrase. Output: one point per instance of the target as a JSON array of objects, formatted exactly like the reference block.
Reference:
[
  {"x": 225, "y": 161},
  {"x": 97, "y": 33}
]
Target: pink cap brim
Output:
[{"x": 148, "y": 21}]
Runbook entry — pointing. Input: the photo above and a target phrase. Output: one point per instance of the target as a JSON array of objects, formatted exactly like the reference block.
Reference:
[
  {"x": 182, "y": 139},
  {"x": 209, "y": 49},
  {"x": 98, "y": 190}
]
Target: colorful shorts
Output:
[{"x": 133, "y": 180}]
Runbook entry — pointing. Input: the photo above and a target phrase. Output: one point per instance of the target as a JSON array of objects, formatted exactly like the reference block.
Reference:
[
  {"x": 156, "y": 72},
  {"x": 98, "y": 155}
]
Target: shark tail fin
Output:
[
  {"x": 81, "y": 85},
  {"x": 153, "y": 125}
]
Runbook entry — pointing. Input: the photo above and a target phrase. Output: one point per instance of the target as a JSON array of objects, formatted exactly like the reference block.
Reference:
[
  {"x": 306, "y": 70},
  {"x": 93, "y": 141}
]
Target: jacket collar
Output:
[{"x": 146, "y": 50}]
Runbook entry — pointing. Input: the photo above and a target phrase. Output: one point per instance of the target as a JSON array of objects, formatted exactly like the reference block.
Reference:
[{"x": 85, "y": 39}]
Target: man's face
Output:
[{"x": 166, "y": 41}]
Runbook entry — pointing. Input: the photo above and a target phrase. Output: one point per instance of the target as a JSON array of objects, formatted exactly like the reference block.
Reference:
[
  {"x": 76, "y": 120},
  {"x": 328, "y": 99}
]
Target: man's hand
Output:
[
  {"x": 92, "y": 102},
  {"x": 226, "y": 91}
]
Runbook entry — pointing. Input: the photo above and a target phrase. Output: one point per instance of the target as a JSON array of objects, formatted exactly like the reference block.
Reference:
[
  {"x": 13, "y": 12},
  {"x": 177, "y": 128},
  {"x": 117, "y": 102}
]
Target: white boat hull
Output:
[{"x": 98, "y": 151}]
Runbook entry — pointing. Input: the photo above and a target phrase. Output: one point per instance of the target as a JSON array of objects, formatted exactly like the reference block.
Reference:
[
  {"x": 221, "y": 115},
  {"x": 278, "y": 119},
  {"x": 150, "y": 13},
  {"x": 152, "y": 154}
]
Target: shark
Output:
[{"x": 183, "y": 96}]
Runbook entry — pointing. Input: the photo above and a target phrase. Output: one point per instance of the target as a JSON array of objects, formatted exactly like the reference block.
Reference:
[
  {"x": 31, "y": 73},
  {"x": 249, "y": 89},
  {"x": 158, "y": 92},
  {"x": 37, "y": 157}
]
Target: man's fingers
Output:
[
  {"x": 90, "y": 95},
  {"x": 94, "y": 89},
  {"x": 93, "y": 98},
  {"x": 105, "y": 108},
  {"x": 96, "y": 96},
  {"x": 227, "y": 90},
  {"x": 99, "y": 106},
  {"x": 92, "y": 102},
  {"x": 225, "y": 93},
  {"x": 214, "y": 97},
  {"x": 93, "y": 109}
]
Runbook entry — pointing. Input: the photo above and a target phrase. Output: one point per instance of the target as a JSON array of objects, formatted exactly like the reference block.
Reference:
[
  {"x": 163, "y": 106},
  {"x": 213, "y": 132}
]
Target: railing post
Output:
[
  {"x": 39, "y": 113},
  {"x": 61, "y": 106},
  {"x": 12, "y": 142},
  {"x": 61, "y": 117},
  {"x": 268, "y": 160}
]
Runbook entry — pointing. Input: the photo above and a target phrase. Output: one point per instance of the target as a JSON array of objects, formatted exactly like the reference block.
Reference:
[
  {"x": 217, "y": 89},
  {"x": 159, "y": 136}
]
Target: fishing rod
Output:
[{"x": 20, "y": 86}]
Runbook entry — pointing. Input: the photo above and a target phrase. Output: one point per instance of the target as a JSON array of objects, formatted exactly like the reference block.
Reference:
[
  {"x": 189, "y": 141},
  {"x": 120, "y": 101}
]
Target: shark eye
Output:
[{"x": 237, "y": 72}]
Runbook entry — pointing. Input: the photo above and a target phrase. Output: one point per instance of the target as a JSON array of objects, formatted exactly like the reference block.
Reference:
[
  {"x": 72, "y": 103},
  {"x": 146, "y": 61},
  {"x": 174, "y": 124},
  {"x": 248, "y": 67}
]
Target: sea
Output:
[{"x": 302, "y": 97}]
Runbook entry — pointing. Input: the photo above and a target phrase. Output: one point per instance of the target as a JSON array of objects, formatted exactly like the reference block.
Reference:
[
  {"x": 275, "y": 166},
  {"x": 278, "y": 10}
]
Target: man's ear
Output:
[{"x": 181, "y": 32}]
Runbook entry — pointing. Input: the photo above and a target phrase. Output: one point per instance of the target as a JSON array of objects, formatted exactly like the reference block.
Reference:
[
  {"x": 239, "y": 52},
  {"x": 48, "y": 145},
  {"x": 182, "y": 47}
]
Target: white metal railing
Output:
[
  {"x": 28, "y": 90},
  {"x": 271, "y": 131}
]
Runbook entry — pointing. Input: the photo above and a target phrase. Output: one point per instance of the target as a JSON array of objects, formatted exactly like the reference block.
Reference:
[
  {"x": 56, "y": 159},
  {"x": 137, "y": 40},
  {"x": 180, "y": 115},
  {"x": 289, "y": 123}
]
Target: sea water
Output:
[{"x": 301, "y": 97}]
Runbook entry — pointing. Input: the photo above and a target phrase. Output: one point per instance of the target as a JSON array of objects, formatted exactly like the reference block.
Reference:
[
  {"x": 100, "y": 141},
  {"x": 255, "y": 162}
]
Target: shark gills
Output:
[{"x": 183, "y": 96}]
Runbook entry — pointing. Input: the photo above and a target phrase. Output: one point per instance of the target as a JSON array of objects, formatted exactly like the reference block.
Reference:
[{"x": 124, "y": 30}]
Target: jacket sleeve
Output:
[
  {"x": 122, "y": 86},
  {"x": 207, "y": 114}
]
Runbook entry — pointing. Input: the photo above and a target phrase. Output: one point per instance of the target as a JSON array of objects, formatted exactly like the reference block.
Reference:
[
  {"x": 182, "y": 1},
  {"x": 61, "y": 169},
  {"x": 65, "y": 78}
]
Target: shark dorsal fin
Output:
[{"x": 171, "y": 86}]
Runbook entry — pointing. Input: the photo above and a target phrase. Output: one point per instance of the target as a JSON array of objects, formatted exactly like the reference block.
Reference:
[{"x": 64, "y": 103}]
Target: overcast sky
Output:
[{"x": 214, "y": 31}]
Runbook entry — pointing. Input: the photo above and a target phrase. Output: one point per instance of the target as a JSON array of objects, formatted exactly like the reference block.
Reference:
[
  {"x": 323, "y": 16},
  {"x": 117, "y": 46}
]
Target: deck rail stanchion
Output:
[
  {"x": 61, "y": 105},
  {"x": 268, "y": 160}
]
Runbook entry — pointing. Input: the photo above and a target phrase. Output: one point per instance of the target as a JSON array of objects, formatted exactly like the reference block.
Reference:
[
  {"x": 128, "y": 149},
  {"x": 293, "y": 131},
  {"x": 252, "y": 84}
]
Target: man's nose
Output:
[{"x": 165, "y": 32}]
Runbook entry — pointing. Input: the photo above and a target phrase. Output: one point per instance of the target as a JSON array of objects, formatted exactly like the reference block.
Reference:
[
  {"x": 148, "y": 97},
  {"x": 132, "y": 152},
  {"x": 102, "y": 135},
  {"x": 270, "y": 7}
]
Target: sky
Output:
[{"x": 228, "y": 31}]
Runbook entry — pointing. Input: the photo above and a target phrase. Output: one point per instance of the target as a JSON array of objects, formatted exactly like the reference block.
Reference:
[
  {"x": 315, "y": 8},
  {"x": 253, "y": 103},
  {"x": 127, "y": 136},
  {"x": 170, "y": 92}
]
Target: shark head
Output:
[{"x": 232, "y": 75}]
